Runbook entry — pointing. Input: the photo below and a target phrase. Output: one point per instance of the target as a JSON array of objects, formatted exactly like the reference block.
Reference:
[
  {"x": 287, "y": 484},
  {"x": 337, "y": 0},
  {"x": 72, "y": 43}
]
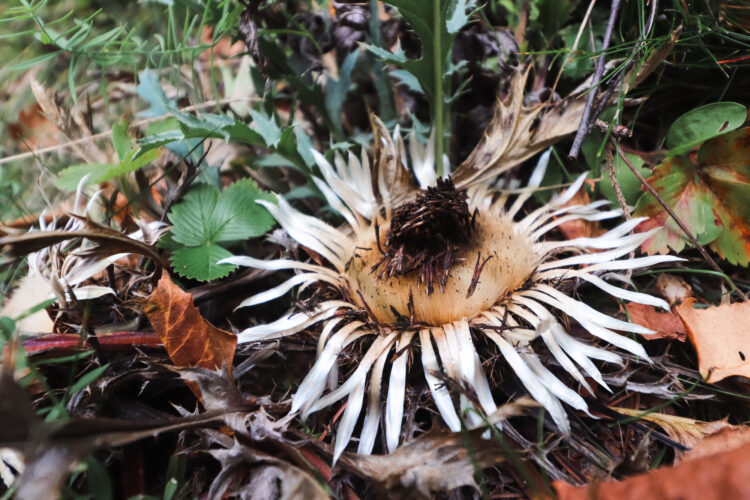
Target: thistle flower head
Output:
[{"x": 441, "y": 267}]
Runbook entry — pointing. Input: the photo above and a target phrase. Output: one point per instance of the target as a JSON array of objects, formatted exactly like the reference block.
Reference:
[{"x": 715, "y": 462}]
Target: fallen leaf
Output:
[
  {"x": 720, "y": 476},
  {"x": 667, "y": 325},
  {"x": 269, "y": 478},
  {"x": 109, "y": 241},
  {"x": 189, "y": 339},
  {"x": 703, "y": 438},
  {"x": 436, "y": 461},
  {"x": 673, "y": 288},
  {"x": 579, "y": 228},
  {"x": 721, "y": 338}
]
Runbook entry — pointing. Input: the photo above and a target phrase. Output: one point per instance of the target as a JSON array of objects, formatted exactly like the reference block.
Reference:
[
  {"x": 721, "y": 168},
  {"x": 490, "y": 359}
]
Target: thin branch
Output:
[
  {"x": 711, "y": 262},
  {"x": 585, "y": 126}
]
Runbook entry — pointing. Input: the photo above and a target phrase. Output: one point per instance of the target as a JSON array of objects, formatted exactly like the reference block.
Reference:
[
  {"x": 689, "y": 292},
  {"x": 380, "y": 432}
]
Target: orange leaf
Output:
[
  {"x": 721, "y": 338},
  {"x": 579, "y": 228},
  {"x": 720, "y": 476},
  {"x": 667, "y": 325},
  {"x": 189, "y": 339},
  {"x": 703, "y": 438}
]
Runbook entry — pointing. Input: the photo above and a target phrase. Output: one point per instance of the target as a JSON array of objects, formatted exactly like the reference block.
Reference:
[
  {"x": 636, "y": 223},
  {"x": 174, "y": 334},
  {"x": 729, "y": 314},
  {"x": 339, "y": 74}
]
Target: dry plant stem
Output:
[
  {"x": 102, "y": 135},
  {"x": 703, "y": 252},
  {"x": 585, "y": 125}
]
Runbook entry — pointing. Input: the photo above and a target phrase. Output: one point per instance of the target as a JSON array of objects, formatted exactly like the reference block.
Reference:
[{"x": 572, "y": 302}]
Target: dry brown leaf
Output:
[
  {"x": 70, "y": 122},
  {"x": 189, "y": 339},
  {"x": 109, "y": 242},
  {"x": 579, "y": 228},
  {"x": 433, "y": 462},
  {"x": 673, "y": 288},
  {"x": 721, "y": 338},
  {"x": 517, "y": 132},
  {"x": 703, "y": 438},
  {"x": 722, "y": 476},
  {"x": 667, "y": 325},
  {"x": 267, "y": 477}
]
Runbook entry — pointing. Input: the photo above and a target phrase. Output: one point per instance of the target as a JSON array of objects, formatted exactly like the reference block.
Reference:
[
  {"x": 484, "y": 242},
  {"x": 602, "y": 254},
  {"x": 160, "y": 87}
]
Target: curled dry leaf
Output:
[
  {"x": 667, "y": 325},
  {"x": 436, "y": 461},
  {"x": 720, "y": 476},
  {"x": 109, "y": 241},
  {"x": 267, "y": 477},
  {"x": 720, "y": 337},
  {"x": 703, "y": 438},
  {"x": 518, "y": 132},
  {"x": 189, "y": 339}
]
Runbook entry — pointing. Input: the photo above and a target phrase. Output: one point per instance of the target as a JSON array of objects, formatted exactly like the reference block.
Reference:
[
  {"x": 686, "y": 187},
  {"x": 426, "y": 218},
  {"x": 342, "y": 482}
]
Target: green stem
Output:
[{"x": 437, "y": 66}]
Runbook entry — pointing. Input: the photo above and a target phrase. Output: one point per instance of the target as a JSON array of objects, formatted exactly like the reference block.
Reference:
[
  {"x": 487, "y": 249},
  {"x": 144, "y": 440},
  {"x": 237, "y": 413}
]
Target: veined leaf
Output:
[
  {"x": 207, "y": 217},
  {"x": 710, "y": 194},
  {"x": 703, "y": 123}
]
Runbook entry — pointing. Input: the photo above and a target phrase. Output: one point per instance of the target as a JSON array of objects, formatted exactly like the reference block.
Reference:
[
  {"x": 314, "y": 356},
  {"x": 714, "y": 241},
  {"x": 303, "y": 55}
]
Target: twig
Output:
[
  {"x": 585, "y": 126},
  {"x": 101, "y": 135},
  {"x": 711, "y": 262}
]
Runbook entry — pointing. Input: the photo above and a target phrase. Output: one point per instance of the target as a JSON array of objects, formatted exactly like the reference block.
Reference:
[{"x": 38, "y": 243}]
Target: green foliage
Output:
[
  {"x": 207, "y": 218},
  {"x": 436, "y": 22},
  {"x": 702, "y": 123},
  {"x": 630, "y": 185}
]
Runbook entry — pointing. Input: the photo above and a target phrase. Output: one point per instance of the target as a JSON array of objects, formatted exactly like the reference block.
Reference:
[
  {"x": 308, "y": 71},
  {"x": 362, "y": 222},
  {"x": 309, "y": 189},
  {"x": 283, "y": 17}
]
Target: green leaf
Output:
[
  {"x": 206, "y": 217},
  {"x": 709, "y": 194},
  {"x": 703, "y": 123},
  {"x": 121, "y": 139},
  {"x": 200, "y": 263},
  {"x": 336, "y": 90},
  {"x": 267, "y": 128},
  {"x": 149, "y": 89},
  {"x": 629, "y": 183},
  {"x": 70, "y": 177},
  {"x": 193, "y": 219}
]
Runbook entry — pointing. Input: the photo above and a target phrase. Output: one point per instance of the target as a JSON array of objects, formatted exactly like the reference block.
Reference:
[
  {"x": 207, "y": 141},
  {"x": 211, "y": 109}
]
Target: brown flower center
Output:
[{"x": 487, "y": 259}]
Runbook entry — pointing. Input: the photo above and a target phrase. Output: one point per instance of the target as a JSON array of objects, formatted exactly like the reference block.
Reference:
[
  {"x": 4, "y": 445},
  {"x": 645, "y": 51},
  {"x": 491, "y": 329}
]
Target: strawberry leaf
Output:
[
  {"x": 207, "y": 217},
  {"x": 709, "y": 193}
]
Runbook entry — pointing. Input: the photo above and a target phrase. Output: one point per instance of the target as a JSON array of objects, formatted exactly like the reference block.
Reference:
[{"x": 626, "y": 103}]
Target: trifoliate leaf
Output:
[
  {"x": 206, "y": 217},
  {"x": 70, "y": 177},
  {"x": 709, "y": 194},
  {"x": 703, "y": 123},
  {"x": 200, "y": 263}
]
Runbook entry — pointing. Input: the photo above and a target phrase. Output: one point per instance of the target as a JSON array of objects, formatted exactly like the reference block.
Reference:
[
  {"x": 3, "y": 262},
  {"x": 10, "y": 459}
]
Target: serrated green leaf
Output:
[
  {"x": 703, "y": 123},
  {"x": 206, "y": 217},
  {"x": 193, "y": 217},
  {"x": 200, "y": 262},
  {"x": 709, "y": 195},
  {"x": 241, "y": 217}
]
